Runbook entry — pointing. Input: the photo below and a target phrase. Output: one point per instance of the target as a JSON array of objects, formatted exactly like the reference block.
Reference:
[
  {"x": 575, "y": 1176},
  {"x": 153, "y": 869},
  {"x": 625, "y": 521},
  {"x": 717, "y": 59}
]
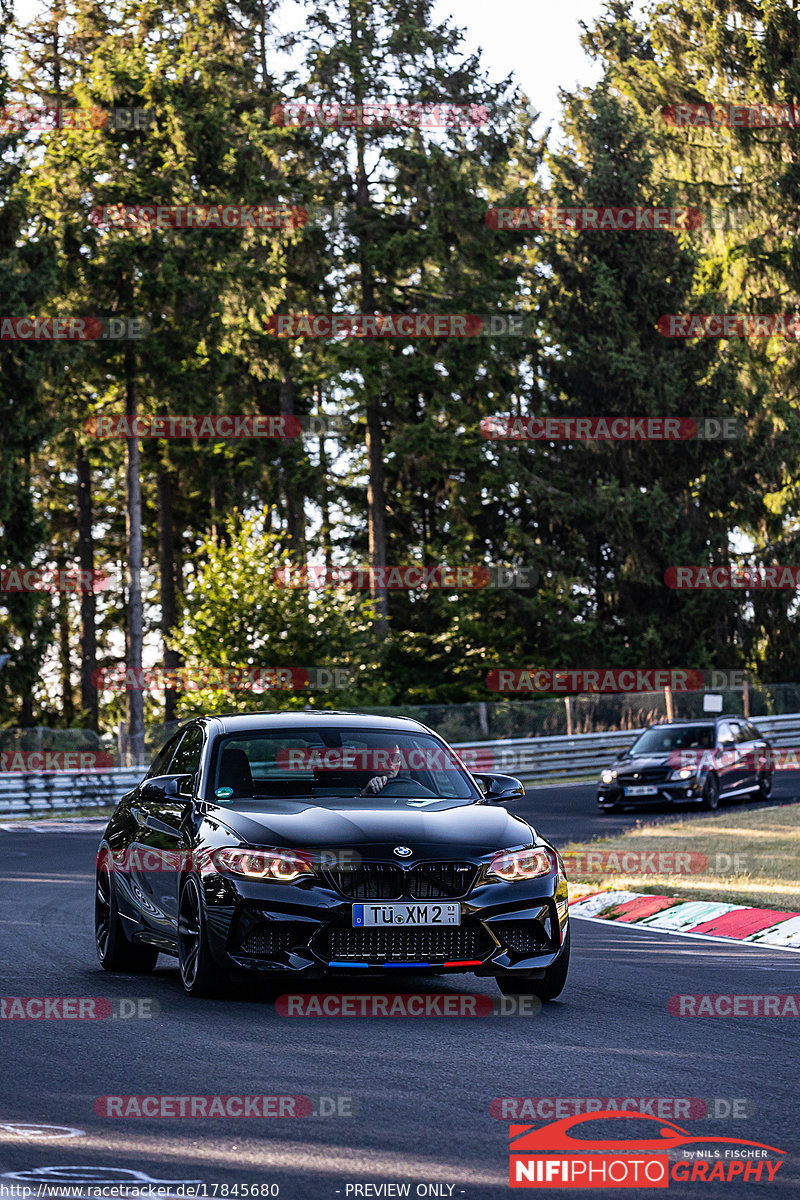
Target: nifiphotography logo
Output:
[{"x": 555, "y": 1157}]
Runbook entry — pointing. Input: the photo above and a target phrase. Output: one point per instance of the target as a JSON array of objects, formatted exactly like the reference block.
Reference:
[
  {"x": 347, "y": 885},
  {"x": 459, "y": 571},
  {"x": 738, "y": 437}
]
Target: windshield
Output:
[
  {"x": 340, "y": 764},
  {"x": 664, "y": 738}
]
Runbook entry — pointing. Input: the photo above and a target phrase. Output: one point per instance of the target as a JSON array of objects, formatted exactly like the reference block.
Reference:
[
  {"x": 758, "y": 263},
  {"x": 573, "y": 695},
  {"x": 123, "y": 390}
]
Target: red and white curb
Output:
[{"x": 697, "y": 918}]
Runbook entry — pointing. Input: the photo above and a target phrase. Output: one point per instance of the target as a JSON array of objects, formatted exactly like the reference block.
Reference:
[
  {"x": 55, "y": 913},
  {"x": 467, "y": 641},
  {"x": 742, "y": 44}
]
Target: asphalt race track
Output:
[
  {"x": 420, "y": 1088},
  {"x": 565, "y": 814}
]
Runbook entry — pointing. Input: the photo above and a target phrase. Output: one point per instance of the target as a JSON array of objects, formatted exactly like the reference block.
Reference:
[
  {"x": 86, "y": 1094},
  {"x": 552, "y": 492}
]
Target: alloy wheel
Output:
[
  {"x": 189, "y": 932},
  {"x": 102, "y": 911}
]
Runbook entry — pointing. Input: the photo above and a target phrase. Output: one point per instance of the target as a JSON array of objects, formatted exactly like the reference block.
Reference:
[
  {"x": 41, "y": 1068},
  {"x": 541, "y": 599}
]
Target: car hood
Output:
[
  {"x": 474, "y": 829},
  {"x": 638, "y": 761}
]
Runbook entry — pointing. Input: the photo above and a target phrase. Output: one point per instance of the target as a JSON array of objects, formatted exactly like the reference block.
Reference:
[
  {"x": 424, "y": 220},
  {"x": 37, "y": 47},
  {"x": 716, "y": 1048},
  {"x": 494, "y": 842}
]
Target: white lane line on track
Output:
[
  {"x": 31, "y": 827},
  {"x": 700, "y": 937},
  {"x": 27, "y": 1130}
]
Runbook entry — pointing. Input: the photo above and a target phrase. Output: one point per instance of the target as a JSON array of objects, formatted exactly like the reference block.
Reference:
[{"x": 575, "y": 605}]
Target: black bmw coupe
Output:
[{"x": 303, "y": 844}]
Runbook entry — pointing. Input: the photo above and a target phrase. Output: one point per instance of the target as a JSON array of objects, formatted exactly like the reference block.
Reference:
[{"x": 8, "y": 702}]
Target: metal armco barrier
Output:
[
  {"x": 531, "y": 759},
  {"x": 37, "y": 792},
  {"x": 538, "y": 759}
]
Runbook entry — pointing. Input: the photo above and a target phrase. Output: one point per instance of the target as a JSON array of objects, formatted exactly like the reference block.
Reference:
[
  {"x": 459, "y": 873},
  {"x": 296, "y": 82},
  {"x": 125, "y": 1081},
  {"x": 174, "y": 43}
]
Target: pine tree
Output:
[
  {"x": 617, "y": 515},
  {"x": 26, "y": 274},
  {"x": 746, "y": 180}
]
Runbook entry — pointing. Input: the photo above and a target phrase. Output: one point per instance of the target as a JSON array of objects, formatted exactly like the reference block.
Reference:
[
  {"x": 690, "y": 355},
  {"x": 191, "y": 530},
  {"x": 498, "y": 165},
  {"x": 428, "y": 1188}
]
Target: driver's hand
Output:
[
  {"x": 376, "y": 784},
  {"x": 380, "y": 781}
]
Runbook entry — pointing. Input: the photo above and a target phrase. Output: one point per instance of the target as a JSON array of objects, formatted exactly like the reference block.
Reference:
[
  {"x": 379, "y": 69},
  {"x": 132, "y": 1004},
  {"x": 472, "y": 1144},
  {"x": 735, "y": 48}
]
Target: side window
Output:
[
  {"x": 187, "y": 757},
  {"x": 740, "y": 731},
  {"x": 162, "y": 759},
  {"x": 725, "y": 734},
  {"x": 752, "y": 733}
]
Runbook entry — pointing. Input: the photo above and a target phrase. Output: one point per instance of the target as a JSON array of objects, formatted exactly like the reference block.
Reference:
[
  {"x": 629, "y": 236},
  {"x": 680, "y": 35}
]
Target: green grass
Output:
[
  {"x": 46, "y": 814},
  {"x": 753, "y": 858}
]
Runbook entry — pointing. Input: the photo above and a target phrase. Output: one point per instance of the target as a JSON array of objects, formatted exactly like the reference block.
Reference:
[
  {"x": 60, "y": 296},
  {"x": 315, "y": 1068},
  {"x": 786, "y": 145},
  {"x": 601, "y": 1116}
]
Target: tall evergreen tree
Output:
[
  {"x": 746, "y": 179},
  {"x": 26, "y": 275}
]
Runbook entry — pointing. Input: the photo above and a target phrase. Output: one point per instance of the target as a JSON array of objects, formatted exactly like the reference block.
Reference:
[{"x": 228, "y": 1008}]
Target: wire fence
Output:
[
  {"x": 45, "y": 749},
  {"x": 572, "y": 757}
]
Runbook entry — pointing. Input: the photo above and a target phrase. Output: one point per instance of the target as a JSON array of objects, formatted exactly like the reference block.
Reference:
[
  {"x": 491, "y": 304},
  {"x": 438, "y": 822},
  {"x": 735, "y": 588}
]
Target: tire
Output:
[
  {"x": 710, "y": 799},
  {"x": 548, "y": 988},
  {"x": 200, "y": 975},
  {"x": 764, "y": 786},
  {"x": 114, "y": 949}
]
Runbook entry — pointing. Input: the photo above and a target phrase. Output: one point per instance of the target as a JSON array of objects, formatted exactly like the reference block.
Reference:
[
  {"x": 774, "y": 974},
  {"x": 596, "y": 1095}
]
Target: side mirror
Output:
[
  {"x": 497, "y": 788},
  {"x": 166, "y": 787}
]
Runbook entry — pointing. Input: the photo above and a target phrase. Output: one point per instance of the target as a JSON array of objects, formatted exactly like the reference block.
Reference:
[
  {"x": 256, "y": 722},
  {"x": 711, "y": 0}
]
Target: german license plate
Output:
[
  {"x": 448, "y": 913},
  {"x": 645, "y": 790}
]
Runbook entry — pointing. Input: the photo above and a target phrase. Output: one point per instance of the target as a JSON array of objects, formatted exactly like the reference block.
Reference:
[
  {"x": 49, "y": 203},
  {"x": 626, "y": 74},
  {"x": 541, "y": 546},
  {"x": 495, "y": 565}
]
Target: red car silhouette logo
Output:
[{"x": 527, "y": 1139}]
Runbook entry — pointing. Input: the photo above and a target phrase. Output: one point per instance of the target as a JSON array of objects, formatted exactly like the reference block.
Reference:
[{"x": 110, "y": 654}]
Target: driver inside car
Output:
[{"x": 379, "y": 782}]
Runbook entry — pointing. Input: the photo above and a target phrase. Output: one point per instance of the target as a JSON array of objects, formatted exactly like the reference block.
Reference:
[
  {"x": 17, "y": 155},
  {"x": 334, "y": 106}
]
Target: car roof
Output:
[
  {"x": 698, "y": 720},
  {"x": 302, "y": 718}
]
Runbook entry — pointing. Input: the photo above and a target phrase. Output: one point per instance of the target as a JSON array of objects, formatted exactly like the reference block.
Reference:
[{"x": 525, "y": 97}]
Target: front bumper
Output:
[
  {"x": 612, "y": 795},
  {"x": 303, "y": 929}
]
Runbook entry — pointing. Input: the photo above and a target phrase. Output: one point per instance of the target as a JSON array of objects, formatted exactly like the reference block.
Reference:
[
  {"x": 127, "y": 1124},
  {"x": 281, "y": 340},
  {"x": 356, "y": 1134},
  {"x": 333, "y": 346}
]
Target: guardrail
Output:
[
  {"x": 35, "y": 792},
  {"x": 530, "y": 759},
  {"x": 585, "y": 754}
]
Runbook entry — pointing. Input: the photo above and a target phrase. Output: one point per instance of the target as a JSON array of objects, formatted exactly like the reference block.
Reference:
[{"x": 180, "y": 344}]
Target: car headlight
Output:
[
  {"x": 282, "y": 866},
  {"x": 684, "y": 773},
  {"x": 608, "y": 776},
  {"x": 522, "y": 864}
]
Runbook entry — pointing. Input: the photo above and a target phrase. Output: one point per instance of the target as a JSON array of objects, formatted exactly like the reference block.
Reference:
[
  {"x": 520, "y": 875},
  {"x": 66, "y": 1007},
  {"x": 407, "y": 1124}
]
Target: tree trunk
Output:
[
  {"x": 134, "y": 538},
  {"x": 376, "y": 492},
  {"x": 324, "y": 504},
  {"x": 295, "y": 510},
  {"x": 67, "y": 699},
  {"x": 88, "y": 602},
  {"x": 166, "y": 565},
  {"x": 376, "y": 504}
]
